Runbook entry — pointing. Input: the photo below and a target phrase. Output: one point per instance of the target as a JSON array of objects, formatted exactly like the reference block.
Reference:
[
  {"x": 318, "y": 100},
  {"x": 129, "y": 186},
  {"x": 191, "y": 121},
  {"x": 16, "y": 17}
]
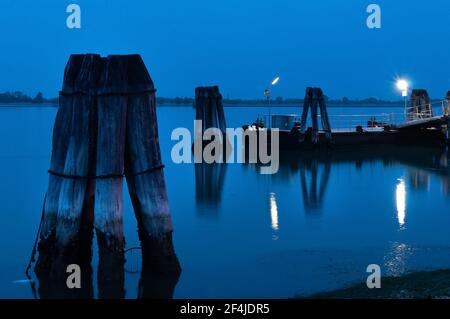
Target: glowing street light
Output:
[
  {"x": 403, "y": 85},
  {"x": 275, "y": 80},
  {"x": 267, "y": 93}
]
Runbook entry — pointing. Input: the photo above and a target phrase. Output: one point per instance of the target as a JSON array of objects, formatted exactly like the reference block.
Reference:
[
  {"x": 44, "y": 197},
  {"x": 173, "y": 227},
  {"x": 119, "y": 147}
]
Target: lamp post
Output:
[
  {"x": 267, "y": 92},
  {"x": 402, "y": 85}
]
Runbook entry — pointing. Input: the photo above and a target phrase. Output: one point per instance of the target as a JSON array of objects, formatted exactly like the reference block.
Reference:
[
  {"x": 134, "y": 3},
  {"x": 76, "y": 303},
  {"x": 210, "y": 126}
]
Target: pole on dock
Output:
[
  {"x": 315, "y": 99},
  {"x": 105, "y": 129}
]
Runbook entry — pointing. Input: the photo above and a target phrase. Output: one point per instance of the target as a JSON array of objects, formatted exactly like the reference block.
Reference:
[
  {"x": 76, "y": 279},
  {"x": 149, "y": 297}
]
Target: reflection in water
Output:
[
  {"x": 160, "y": 268},
  {"x": 315, "y": 168},
  {"x": 274, "y": 213},
  {"x": 400, "y": 199},
  {"x": 419, "y": 179},
  {"x": 314, "y": 196},
  {"x": 397, "y": 258},
  {"x": 159, "y": 276},
  {"x": 209, "y": 181}
]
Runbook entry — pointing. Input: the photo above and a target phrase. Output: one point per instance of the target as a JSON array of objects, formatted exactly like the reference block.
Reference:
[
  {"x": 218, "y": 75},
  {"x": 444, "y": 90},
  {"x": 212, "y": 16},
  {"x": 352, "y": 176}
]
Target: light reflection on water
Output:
[
  {"x": 396, "y": 260},
  {"x": 400, "y": 198},
  {"x": 274, "y": 215}
]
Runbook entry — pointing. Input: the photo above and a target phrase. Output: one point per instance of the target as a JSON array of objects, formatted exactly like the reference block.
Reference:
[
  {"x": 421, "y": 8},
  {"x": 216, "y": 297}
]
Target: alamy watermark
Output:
[
  {"x": 374, "y": 279},
  {"x": 73, "y": 21},
  {"x": 235, "y": 146},
  {"x": 374, "y": 19},
  {"x": 74, "y": 279}
]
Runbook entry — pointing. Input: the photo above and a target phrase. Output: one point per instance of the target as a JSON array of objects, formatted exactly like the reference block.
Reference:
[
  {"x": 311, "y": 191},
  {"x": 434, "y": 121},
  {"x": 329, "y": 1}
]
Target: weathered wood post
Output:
[
  {"x": 209, "y": 108},
  {"x": 110, "y": 166},
  {"x": 447, "y": 104},
  {"x": 326, "y": 126},
  {"x": 420, "y": 106},
  {"x": 209, "y": 177},
  {"x": 66, "y": 232},
  {"x": 314, "y": 99},
  {"x": 144, "y": 170},
  {"x": 447, "y": 114},
  {"x": 106, "y": 127}
]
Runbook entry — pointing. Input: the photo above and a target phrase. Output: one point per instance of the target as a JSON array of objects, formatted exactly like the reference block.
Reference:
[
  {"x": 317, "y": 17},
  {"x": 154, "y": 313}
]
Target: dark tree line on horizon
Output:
[
  {"x": 20, "y": 97},
  {"x": 278, "y": 101}
]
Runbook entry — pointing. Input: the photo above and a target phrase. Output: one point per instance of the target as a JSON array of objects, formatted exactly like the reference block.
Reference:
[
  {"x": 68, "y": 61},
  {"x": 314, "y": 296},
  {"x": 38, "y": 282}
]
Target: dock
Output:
[{"x": 419, "y": 125}]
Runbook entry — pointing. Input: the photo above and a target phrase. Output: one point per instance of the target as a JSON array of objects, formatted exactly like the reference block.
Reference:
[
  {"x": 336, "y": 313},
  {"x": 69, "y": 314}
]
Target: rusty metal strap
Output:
[{"x": 107, "y": 176}]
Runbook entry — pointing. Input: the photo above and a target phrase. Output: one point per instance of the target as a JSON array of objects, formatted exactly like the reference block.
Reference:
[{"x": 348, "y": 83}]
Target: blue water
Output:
[{"x": 313, "y": 226}]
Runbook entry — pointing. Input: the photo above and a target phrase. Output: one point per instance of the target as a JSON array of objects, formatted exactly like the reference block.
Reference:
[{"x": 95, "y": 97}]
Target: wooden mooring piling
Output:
[
  {"x": 105, "y": 130},
  {"x": 419, "y": 105},
  {"x": 315, "y": 100},
  {"x": 209, "y": 108},
  {"x": 209, "y": 177}
]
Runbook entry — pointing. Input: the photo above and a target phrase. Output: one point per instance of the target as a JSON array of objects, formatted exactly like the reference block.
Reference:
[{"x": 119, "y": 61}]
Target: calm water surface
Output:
[{"x": 314, "y": 226}]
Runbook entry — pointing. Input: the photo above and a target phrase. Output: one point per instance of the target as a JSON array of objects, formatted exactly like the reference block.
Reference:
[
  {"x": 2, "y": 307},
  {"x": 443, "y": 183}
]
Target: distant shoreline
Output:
[
  {"x": 19, "y": 98},
  {"x": 48, "y": 104}
]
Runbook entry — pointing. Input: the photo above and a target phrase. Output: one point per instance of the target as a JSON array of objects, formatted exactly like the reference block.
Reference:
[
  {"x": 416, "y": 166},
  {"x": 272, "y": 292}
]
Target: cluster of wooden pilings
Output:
[
  {"x": 105, "y": 130},
  {"x": 209, "y": 177},
  {"x": 419, "y": 105},
  {"x": 209, "y": 108},
  {"x": 315, "y": 100},
  {"x": 447, "y": 103}
]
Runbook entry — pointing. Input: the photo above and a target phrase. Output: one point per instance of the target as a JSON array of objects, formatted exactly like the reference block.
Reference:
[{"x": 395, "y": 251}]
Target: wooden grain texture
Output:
[
  {"x": 106, "y": 126},
  {"x": 314, "y": 100}
]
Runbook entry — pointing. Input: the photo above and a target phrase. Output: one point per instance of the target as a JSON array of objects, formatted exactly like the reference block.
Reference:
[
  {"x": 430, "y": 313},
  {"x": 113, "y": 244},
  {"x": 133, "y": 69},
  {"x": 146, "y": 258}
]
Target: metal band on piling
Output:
[{"x": 106, "y": 176}]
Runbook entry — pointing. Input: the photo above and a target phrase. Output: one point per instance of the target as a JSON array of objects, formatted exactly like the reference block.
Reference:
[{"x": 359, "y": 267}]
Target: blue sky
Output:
[{"x": 237, "y": 44}]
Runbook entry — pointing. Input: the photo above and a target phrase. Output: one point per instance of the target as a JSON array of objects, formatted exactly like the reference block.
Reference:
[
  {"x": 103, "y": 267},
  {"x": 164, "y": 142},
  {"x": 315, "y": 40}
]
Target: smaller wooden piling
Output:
[
  {"x": 209, "y": 108},
  {"x": 447, "y": 104},
  {"x": 313, "y": 100},
  {"x": 419, "y": 105},
  {"x": 447, "y": 114},
  {"x": 326, "y": 126},
  {"x": 210, "y": 111}
]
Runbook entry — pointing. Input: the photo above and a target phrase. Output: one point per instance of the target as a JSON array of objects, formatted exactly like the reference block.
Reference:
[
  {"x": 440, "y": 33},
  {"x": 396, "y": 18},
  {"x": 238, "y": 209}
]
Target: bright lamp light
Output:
[
  {"x": 275, "y": 80},
  {"x": 402, "y": 85}
]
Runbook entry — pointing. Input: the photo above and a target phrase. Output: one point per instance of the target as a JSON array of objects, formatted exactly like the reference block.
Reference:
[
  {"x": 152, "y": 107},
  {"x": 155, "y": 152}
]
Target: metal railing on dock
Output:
[
  {"x": 339, "y": 123},
  {"x": 371, "y": 122},
  {"x": 424, "y": 111}
]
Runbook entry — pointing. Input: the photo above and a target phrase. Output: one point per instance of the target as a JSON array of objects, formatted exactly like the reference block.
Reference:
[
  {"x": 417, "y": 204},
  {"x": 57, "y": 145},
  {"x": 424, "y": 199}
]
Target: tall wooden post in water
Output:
[
  {"x": 419, "y": 106},
  {"x": 105, "y": 128},
  {"x": 447, "y": 104},
  {"x": 315, "y": 99},
  {"x": 209, "y": 108},
  {"x": 209, "y": 177}
]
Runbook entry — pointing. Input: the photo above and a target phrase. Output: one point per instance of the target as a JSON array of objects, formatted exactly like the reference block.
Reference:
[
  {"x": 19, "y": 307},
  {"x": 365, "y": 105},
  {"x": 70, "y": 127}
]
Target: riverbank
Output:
[{"x": 418, "y": 285}]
